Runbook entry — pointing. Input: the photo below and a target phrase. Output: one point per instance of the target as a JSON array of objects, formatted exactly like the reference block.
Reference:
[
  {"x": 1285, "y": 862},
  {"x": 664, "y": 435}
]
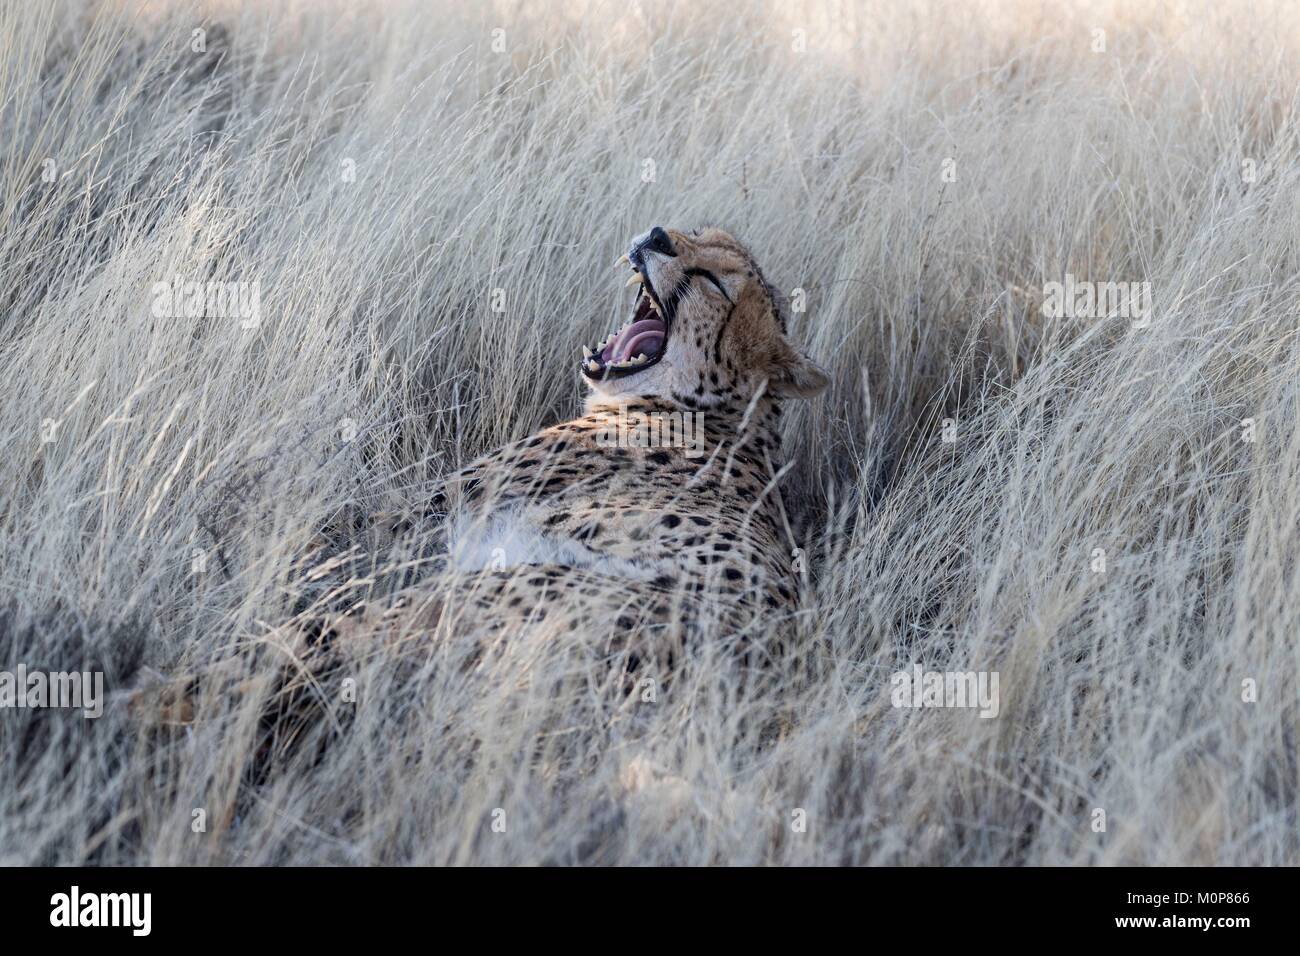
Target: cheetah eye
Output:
[{"x": 709, "y": 277}]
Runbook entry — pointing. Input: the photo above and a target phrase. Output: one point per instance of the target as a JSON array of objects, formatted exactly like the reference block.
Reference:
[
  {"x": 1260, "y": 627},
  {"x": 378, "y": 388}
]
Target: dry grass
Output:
[{"x": 522, "y": 171}]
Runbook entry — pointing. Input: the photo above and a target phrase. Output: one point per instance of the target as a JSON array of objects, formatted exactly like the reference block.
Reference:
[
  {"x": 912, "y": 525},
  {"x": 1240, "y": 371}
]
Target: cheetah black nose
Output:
[{"x": 658, "y": 241}]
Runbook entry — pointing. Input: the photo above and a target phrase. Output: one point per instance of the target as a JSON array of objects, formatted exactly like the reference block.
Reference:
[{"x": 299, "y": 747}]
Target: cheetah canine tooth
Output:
[
  {"x": 621, "y": 260},
  {"x": 635, "y": 278}
]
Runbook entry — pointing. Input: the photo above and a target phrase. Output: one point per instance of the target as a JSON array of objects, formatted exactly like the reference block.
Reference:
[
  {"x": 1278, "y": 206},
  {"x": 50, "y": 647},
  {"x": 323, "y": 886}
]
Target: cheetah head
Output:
[{"x": 705, "y": 328}]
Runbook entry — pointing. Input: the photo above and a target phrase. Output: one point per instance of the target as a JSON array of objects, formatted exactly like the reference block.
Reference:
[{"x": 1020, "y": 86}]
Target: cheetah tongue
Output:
[{"x": 646, "y": 336}]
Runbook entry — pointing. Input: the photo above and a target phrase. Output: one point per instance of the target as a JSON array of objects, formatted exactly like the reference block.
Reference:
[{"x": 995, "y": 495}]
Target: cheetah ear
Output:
[{"x": 794, "y": 375}]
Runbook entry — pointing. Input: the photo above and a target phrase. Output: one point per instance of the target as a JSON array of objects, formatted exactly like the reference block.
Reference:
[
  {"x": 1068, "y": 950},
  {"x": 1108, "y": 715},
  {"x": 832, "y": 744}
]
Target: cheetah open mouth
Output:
[{"x": 639, "y": 344}]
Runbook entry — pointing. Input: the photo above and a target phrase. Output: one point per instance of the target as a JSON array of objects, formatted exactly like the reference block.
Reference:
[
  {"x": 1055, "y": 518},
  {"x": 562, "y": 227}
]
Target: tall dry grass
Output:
[{"x": 176, "y": 492}]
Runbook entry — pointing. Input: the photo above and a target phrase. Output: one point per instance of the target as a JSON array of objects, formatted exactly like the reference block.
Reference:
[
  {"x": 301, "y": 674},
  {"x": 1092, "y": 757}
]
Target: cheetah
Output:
[{"x": 657, "y": 512}]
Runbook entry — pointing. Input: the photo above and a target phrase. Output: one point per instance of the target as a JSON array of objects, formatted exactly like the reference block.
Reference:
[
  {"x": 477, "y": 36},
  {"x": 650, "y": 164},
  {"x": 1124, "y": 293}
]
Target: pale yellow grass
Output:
[{"x": 173, "y": 522}]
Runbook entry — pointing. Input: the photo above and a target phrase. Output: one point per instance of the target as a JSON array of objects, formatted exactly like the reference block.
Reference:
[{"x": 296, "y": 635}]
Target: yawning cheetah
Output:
[
  {"x": 659, "y": 507},
  {"x": 652, "y": 519}
]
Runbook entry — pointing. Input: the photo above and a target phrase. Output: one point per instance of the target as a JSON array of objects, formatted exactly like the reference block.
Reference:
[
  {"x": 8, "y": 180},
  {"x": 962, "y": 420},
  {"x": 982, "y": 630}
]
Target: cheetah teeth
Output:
[
  {"x": 641, "y": 359},
  {"x": 636, "y": 279},
  {"x": 622, "y": 260}
]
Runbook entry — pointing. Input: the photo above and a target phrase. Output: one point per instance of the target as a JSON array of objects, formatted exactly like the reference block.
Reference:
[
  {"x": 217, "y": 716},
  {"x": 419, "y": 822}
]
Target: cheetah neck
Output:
[{"x": 754, "y": 429}]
